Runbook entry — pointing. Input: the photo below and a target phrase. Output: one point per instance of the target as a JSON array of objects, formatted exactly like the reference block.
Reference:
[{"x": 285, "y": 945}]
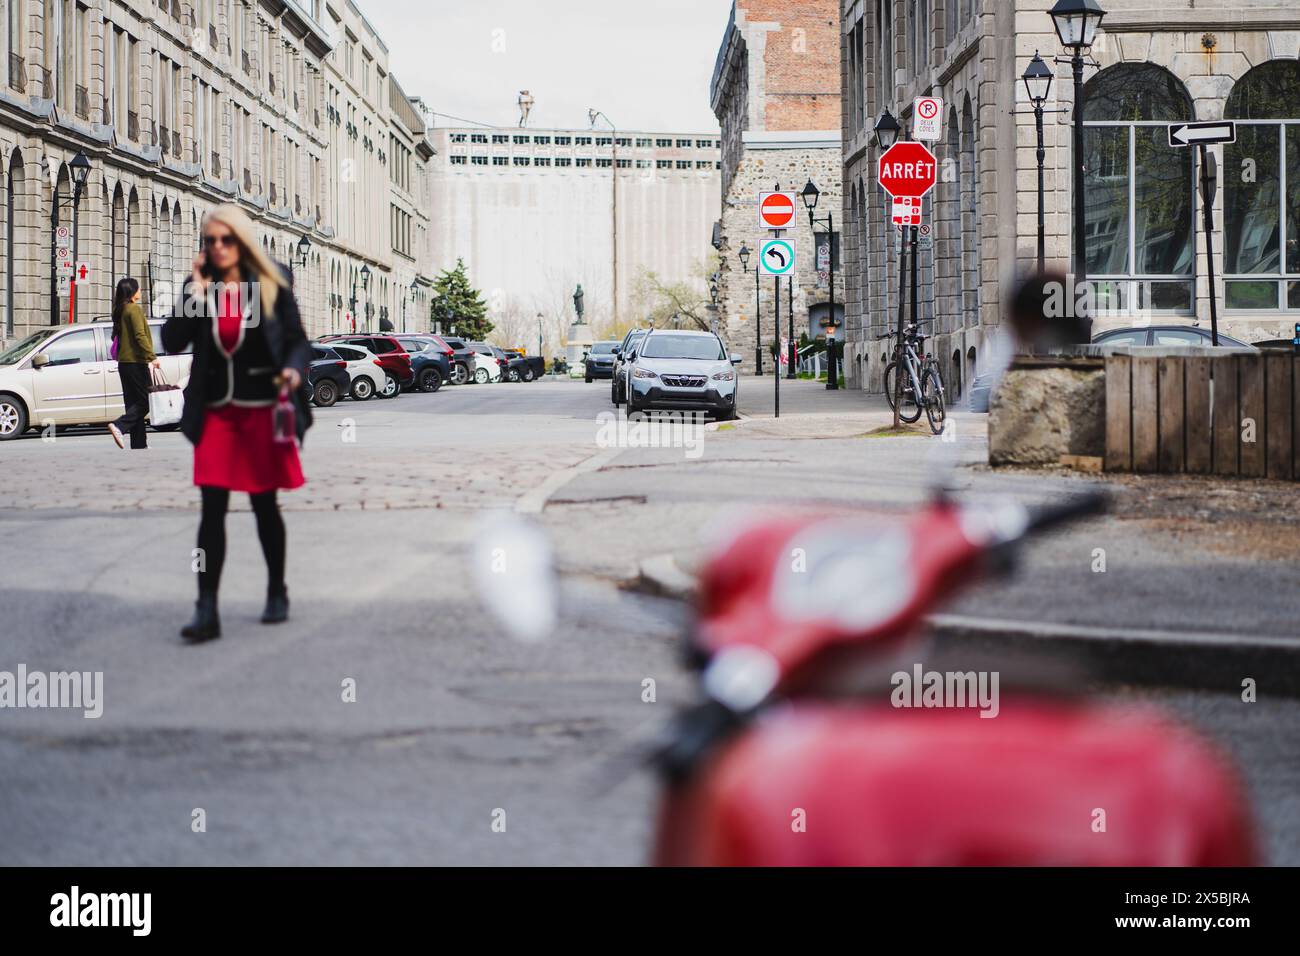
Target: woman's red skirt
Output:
[{"x": 237, "y": 451}]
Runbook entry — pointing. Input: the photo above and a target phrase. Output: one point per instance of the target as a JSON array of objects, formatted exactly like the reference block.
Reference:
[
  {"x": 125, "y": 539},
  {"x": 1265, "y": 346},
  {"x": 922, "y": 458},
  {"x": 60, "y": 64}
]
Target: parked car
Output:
[
  {"x": 327, "y": 376},
  {"x": 686, "y": 370},
  {"x": 391, "y": 354},
  {"x": 463, "y": 362},
  {"x": 622, "y": 354},
  {"x": 430, "y": 360},
  {"x": 599, "y": 362},
  {"x": 63, "y": 375},
  {"x": 487, "y": 368},
  {"x": 524, "y": 368},
  {"x": 1166, "y": 335},
  {"x": 367, "y": 373}
]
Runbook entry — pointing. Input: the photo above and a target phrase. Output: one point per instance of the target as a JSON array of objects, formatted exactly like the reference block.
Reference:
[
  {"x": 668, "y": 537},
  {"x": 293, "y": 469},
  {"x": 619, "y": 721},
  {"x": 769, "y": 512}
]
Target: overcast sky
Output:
[{"x": 645, "y": 64}]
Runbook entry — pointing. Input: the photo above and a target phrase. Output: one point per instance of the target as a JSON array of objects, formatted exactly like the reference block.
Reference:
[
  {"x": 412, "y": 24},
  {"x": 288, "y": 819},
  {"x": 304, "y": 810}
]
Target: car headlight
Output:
[
  {"x": 723, "y": 376},
  {"x": 643, "y": 373}
]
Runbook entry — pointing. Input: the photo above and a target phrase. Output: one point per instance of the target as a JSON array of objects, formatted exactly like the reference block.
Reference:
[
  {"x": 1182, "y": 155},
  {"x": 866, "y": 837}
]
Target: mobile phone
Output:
[{"x": 206, "y": 269}]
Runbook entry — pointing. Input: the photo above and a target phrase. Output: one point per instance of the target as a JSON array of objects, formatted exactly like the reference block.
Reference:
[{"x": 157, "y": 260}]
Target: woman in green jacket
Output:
[{"x": 135, "y": 355}]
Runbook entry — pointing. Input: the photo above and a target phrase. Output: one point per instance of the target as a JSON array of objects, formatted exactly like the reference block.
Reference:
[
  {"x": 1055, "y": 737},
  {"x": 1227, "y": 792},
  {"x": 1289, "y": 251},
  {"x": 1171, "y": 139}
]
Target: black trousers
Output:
[
  {"x": 212, "y": 537},
  {"x": 135, "y": 396}
]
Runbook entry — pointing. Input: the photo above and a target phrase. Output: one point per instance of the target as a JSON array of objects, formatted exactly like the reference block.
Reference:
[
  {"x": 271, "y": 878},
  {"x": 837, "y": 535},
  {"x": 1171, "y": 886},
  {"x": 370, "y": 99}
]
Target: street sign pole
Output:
[
  {"x": 1209, "y": 181},
  {"x": 902, "y": 305},
  {"x": 776, "y": 337},
  {"x": 916, "y": 298},
  {"x": 1204, "y": 135},
  {"x": 758, "y": 322}
]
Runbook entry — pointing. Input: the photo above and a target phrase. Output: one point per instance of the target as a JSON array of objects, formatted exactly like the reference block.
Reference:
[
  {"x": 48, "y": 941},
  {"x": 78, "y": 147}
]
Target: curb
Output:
[{"x": 1147, "y": 657}]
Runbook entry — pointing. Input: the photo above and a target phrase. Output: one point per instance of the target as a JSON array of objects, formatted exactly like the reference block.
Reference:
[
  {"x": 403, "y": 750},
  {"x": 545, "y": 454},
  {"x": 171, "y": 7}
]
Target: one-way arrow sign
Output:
[{"x": 1202, "y": 134}]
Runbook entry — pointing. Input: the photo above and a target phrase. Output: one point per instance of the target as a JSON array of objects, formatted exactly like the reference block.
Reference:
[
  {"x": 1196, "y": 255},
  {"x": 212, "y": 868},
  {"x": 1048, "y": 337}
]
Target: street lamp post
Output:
[
  {"x": 1076, "y": 23},
  {"x": 743, "y": 254},
  {"x": 1038, "y": 84},
  {"x": 592, "y": 116},
  {"x": 80, "y": 167},
  {"x": 365, "y": 286},
  {"x": 810, "y": 196}
]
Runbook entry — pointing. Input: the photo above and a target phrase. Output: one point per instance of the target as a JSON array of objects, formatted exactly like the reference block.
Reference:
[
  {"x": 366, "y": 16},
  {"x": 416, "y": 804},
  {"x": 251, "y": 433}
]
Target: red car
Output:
[{"x": 393, "y": 358}]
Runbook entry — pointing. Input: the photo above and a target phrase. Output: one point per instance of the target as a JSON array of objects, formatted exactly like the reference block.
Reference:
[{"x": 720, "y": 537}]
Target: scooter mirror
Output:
[{"x": 514, "y": 572}]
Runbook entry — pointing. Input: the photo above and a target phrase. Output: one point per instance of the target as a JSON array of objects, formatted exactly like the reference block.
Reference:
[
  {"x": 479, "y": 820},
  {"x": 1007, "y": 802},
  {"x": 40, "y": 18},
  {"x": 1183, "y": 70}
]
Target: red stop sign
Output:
[{"x": 907, "y": 169}]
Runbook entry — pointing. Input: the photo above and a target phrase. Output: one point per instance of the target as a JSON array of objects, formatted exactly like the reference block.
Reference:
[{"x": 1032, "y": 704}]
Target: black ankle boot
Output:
[
  {"x": 206, "y": 624},
  {"x": 277, "y": 607}
]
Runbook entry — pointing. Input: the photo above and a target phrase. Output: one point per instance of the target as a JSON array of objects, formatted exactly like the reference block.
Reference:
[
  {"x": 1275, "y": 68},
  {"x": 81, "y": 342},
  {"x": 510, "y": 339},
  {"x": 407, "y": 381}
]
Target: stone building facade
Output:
[
  {"x": 776, "y": 93},
  {"x": 180, "y": 106},
  {"x": 1147, "y": 261}
]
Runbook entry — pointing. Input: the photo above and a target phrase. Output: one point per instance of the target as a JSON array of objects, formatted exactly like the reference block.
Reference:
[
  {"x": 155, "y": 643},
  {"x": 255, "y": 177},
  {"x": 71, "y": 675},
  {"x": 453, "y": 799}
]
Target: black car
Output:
[
  {"x": 327, "y": 376},
  {"x": 1166, "y": 335},
  {"x": 462, "y": 360},
  {"x": 599, "y": 361},
  {"x": 524, "y": 368},
  {"x": 431, "y": 359}
]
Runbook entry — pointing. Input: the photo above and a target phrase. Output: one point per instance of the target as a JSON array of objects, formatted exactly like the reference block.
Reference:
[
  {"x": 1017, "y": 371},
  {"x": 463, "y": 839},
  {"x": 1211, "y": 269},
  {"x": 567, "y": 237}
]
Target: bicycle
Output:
[{"x": 923, "y": 379}]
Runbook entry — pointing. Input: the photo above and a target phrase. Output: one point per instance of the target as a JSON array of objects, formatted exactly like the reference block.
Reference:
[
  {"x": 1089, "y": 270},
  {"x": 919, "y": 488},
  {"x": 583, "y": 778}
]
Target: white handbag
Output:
[{"x": 166, "y": 401}]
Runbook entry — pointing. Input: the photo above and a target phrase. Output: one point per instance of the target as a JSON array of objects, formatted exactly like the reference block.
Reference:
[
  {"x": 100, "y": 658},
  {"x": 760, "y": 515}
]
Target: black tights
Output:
[{"x": 212, "y": 537}]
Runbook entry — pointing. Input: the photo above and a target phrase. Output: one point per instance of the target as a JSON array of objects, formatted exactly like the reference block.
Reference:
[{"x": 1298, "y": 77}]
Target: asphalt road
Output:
[{"x": 453, "y": 721}]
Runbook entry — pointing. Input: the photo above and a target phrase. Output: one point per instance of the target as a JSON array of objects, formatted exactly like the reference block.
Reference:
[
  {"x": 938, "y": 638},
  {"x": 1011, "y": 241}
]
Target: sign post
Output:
[
  {"x": 776, "y": 210},
  {"x": 907, "y": 172},
  {"x": 1203, "y": 135}
]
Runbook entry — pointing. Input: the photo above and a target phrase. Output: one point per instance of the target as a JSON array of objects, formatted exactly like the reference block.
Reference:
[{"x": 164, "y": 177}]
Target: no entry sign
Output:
[
  {"x": 776, "y": 210},
  {"x": 907, "y": 169}
]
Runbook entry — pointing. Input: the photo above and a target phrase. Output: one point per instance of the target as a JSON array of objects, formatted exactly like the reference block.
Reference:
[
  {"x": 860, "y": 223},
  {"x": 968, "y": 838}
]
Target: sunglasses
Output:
[{"x": 210, "y": 241}]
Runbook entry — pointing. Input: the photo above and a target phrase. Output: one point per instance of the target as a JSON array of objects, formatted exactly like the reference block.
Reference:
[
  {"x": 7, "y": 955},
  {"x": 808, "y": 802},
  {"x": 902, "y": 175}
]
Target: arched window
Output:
[
  {"x": 1138, "y": 190},
  {"x": 1261, "y": 195}
]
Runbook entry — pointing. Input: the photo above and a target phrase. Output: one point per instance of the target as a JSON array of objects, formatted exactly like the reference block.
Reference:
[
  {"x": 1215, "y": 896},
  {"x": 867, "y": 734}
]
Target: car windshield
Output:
[
  {"x": 16, "y": 353},
  {"x": 603, "y": 348},
  {"x": 702, "y": 347}
]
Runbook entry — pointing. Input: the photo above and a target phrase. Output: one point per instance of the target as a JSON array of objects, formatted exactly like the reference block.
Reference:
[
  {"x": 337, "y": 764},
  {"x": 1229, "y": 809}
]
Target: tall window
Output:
[
  {"x": 885, "y": 48},
  {"x": 12, "y": 26},
  {"x": 1138, "y": 219},
  {"x": 1261, "y": 200},
  {"x": 12, "y": 185}
]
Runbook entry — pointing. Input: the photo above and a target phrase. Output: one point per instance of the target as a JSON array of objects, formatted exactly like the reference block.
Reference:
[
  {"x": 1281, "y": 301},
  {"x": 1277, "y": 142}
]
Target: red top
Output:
[{"x": 230, "y": 318}]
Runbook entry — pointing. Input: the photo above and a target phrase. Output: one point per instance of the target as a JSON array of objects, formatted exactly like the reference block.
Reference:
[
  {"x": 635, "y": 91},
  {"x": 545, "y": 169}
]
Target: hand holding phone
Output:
[{"x": 201, "y": 271}]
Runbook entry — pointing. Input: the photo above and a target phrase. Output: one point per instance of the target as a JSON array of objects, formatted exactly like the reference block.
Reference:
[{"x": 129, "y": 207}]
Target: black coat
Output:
[{"x": 279, "y": 337}]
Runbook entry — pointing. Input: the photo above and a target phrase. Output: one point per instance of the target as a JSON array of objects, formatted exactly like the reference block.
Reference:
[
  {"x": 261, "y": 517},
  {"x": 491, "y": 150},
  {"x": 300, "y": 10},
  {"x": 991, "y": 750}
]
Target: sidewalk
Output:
[
  {"x": 1202, "y": 576},
  {"x": 810, "y": 410}
]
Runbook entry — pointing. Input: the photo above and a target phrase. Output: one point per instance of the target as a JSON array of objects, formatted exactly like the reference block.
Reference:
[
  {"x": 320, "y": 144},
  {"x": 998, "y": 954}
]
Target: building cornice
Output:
[{"x": 792, "y": 139}]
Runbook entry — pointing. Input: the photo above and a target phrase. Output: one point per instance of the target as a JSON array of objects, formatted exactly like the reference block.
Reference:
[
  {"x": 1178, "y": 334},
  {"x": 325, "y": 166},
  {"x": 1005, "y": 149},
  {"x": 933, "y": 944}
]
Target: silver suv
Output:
[{"x": 673, "y": 369}]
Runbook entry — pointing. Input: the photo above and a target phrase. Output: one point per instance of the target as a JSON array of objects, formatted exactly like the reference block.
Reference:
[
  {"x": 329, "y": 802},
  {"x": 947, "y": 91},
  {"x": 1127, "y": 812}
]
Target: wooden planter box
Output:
[{"x": 1204, "y": 411}]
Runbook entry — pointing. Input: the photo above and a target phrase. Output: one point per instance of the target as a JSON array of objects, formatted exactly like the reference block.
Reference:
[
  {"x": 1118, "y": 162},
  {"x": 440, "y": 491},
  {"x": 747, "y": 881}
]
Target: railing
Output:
[{"x": 1210, "y": 411}]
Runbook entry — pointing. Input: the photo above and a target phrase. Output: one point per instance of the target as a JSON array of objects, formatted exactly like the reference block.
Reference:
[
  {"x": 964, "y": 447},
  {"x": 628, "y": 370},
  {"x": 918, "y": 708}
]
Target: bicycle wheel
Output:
[
  {"x": 932, "y": 399},
  {"x": 909, "y": 409}
]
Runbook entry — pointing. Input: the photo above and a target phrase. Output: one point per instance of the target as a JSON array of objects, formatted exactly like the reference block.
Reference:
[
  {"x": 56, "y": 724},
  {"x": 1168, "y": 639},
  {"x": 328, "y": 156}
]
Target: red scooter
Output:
[
  {"x": 809, "y": 750},
  {"x": 789, "y": 762}
]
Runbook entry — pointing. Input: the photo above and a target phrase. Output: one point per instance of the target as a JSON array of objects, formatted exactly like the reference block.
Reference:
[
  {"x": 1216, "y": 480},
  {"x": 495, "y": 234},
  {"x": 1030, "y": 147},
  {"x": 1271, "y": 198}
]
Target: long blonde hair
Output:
[{"x": 270, "y": 280}]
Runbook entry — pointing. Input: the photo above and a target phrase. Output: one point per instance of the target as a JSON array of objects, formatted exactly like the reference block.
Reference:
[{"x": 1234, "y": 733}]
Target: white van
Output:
[{"x": 62, "y": 375}]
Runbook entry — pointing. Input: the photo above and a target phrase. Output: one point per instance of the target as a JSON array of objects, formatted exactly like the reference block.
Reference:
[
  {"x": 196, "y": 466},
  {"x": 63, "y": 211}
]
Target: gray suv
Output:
[{"x": 672, "y": 369}]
